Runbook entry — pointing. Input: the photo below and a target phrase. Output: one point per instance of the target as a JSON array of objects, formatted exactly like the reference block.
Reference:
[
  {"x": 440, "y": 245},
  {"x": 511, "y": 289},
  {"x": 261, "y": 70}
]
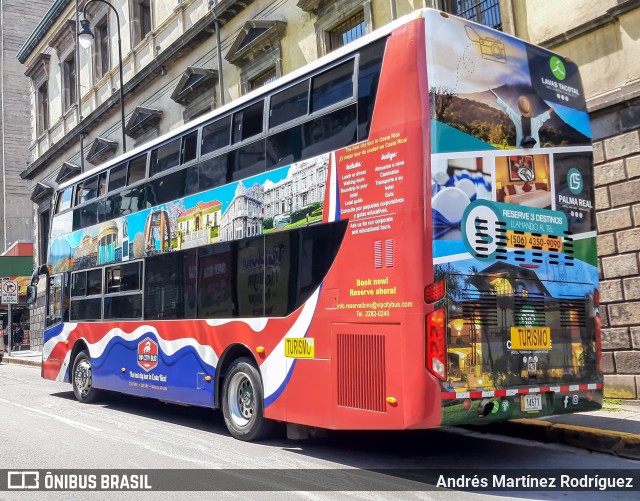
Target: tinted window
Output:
[
  {"x": 164, "y": 286},
  {"x": 126, "y": 202},
  {"x": 126, "y": 307},
  {"x": 190, "y": 281},
  {"x": 137, "y": 169},
  {"x": 284, "y": 147},
  {"x": 330, "y": 132},
  {"x": 248, "y": 160},
  {"x": 216, "y": 135},
  {"x": 90, "y": 189},
  {"x": 165, "y": 157},
  {"x": 212, "y": 173},
  {"x": 79, "y": 284},
  {"x": 86, "y": 309},
  {"x": 189, "y": 147},
  {"x": 102, "y": 184},
  {"x": 64, "y": 200},
  {"x": 118, "y": 177},
  {"x": 289, "y": 104},
  {"x": 94, "y": 282},
  {"x": 368, "y": 79},
  {"x": 332, "y": 86},
  {"x": 173, "y": 186},
  {"x": 248, "y": 122},
  {"x": 86, "y": 216},
  {"x": 123, "y": 278},
  {"x": 250, "y": 277},
  {"x": 216, "y": 283}
]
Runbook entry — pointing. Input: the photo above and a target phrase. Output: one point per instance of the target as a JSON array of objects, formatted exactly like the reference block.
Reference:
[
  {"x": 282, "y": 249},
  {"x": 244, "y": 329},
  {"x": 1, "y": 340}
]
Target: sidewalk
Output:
[
  {"x": 26, "y": 357},
  {"x": 613, "y": 430}
]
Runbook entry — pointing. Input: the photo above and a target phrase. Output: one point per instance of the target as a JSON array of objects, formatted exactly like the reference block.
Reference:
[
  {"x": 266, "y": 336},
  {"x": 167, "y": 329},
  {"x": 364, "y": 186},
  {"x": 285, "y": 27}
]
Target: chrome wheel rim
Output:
[
  {"x": 241, "y": 399},
  {"x": 82, "y": 377}
]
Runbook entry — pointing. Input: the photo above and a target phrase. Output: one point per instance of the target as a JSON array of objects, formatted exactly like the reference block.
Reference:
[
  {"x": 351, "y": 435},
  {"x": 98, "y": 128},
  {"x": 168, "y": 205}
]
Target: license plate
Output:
[
  {"x": 530, "y": 338},
  {"x": 531, "y": 403}
]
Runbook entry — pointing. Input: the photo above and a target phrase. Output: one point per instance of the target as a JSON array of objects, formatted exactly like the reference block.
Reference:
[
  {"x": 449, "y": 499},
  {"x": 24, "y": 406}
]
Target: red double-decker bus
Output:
[{"x": 399, "y": 235}]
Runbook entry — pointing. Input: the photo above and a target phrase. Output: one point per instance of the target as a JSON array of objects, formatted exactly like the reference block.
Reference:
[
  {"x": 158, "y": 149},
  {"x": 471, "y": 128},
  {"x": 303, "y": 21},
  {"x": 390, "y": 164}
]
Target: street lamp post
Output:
[{"x": 86, "y": 38}]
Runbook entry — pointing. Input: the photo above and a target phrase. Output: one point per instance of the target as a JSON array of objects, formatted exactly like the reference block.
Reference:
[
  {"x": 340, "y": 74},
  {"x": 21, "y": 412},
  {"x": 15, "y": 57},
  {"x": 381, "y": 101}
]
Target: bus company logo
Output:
[
  {"x": 148, "y": 354},
  {"x": 574, "y": 181}
]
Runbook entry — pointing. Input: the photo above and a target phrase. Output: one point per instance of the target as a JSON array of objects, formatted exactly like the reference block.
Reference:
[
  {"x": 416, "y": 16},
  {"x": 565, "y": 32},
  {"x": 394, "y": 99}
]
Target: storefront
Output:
[{"x": 17, "y": 268}]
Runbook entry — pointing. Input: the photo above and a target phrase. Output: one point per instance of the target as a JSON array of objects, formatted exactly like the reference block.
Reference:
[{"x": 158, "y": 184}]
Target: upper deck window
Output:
[
  {"x": 248, "y": 122},
  {"x": 332, "y": 86},
  {"x": 289, "y": 104},
  {"x": 216, "y": 135},
  {"x": 64, "y": 200}
]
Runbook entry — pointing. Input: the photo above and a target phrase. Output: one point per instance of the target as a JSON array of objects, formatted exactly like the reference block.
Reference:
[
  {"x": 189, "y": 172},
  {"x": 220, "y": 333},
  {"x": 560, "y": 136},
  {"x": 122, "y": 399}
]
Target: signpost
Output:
[{"x": 9, "y": 290}]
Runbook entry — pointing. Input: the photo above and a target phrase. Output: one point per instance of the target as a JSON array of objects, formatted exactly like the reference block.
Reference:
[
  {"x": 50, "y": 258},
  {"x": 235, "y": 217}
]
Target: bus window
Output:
[
  {"x": 102, "y": 184},
  {"x": 216, "y": 135},
  {"x": 189, "y": 147},
  {"x": 86, "y": 309},
  {"x": 212, "y": 173},
  {"x": 64, "y": 200},
  {"x": 88, "y": 215},
  {"x": 248, "y": 160},
  {"x": 248, "y": 122},
  {"x": 126, "y": 307},
  {"x": 94, "y": 282},
  {"x": 165, "y": 157},
  {"x": 330, "y": 132},
  {"x": 289, "y": 104},
  {"x": 79, "y": 284},
  {"x": 164, "y": 286},
  {"x": 284, "y": 147},
  {"x": 90, "y": 189},
  {"x": 79, "y": 198},
  {"x": 137, "y": 169},
  {"x": 123, "y": 277},
  {"x": 118, "y": 177},
  {"x": 216, "y": 291},
  {"x": 55, "y": 301},
  {"x": 332, "y": 86}
]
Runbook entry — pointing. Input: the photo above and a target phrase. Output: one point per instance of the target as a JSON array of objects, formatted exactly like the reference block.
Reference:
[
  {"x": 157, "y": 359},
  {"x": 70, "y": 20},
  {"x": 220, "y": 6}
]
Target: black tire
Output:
[
  {"x": 1, "y": 357},
  {"x": 81, "y": 379},
  {"x": 243, "y": 402}
]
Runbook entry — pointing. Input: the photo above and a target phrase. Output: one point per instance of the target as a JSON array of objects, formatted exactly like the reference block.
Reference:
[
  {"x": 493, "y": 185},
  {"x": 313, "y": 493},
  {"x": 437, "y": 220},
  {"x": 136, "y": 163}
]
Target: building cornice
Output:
[{"x": 41, "y": 30}]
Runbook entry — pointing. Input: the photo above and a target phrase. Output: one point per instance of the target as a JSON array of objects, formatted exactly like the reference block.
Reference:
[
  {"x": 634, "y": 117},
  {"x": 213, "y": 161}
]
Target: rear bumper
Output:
[{"x": 479, "y": 407}]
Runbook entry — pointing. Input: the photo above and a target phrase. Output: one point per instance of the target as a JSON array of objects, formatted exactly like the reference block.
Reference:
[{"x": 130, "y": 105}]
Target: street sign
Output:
[{"x": 10, "y": 292}]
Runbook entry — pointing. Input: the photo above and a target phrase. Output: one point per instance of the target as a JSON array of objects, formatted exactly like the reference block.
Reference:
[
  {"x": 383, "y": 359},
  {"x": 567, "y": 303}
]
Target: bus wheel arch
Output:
[
  {"x": 227, "y": 358},
  {"x": 80, "y": 345}
]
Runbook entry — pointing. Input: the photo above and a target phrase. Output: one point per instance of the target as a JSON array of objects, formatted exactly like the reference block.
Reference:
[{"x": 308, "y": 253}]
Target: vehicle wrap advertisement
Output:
[{"x": 513, "y": 212}]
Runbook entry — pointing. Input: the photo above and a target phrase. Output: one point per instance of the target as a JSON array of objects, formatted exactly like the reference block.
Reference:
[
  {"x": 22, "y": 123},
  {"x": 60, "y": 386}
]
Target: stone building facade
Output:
[
  {"x": 602, "y": 39},
  {"x": 18, "y": 20}
]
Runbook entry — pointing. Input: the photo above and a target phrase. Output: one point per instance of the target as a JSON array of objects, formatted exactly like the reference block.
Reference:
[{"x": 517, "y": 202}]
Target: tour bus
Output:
[{"x": 450, "y": 276}]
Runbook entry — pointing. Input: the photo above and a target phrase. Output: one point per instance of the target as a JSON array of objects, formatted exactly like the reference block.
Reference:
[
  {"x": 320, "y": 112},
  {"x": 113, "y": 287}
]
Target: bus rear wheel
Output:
[
  {"x": 81, "y": 379},
  {"x": 243, "y": 402}
]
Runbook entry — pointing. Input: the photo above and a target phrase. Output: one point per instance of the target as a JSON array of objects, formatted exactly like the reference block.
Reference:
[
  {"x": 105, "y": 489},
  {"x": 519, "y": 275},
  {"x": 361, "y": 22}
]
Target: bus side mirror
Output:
[{"x": 32, "y": 294}]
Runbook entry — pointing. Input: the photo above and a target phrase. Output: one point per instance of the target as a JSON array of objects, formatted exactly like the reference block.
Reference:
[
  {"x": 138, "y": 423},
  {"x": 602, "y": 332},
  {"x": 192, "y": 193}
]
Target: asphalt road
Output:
[{"x": 44, "y": 427}]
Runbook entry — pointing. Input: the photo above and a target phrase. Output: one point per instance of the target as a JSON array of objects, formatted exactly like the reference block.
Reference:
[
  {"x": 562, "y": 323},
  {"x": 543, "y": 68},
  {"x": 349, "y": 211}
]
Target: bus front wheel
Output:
[
  {"x": 81, "y": 379},
  {"x": 243, "y": 402}
]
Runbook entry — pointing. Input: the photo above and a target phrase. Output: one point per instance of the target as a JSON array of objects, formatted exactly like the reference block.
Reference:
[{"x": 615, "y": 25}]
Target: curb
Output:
[
  {"x": 22, "y": 361},
  {"x": 623, "y": 444}
]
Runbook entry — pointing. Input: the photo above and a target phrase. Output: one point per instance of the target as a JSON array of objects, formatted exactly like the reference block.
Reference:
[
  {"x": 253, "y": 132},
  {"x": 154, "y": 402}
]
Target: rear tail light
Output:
[
  {"x": 435, "y": 292},
  {"x": 436, "y": 343},
  {"x": 596, "y": 298}
]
